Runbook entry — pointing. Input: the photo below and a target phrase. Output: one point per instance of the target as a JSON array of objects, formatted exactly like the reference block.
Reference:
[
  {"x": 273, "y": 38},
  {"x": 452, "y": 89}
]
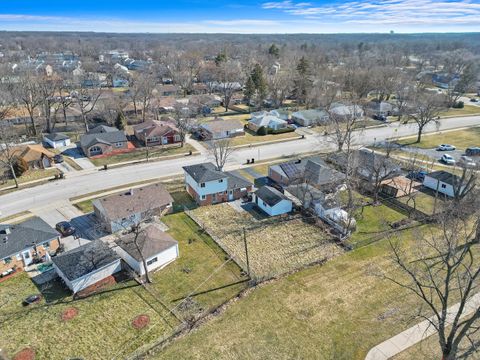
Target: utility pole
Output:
[{"x": 246, "y": 251}]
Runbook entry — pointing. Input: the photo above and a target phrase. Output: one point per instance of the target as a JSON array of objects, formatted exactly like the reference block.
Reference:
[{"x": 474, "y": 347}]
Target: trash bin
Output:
[{"x": 105, "y": 167}]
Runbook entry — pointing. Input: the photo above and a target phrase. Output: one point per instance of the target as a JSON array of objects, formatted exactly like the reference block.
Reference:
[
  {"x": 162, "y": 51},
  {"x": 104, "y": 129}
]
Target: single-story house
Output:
[
  {"x": 268, "y": 121},
  {"x": 310, "y": 117},
  {"x": 381, "y": 108},
  {"x": 152, "y": 244},
  {"x": 312, "y": 170},
  {"x": 20, "y": 243},
  {"x": 119, "y": 212},
  {"x": 206, "y": 185},
  {"x": 56, "y": 140},
  {"x": 168, "y": 90},
  {"x": 272, "y": 201},
  {"x": 367, "y": 164},
  {"x": 344, "y": 112},
  {"x": 103, "y": 140},
  {"x": 443, "y": 182},
  {"x": 220, "y": 128},
  {"x": 155, "y": 132},
  {"x": 86, "y": 265},
  {"x": 37, "y": 157}
]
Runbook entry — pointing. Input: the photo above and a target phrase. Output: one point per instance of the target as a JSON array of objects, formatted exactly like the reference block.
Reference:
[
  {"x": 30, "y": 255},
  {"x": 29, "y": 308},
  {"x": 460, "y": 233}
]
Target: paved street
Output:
[{"x": 83, "y": 182}]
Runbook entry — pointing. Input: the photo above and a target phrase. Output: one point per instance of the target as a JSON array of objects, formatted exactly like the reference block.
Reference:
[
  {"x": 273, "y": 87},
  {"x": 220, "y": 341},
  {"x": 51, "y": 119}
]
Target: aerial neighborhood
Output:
[{"x": 235, "y": 197}]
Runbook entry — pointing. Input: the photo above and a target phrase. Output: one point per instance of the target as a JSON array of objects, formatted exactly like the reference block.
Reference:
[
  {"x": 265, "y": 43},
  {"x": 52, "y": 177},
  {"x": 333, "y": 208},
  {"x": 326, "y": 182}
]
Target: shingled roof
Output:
[
  {"x": 102, "y": 134},
  {"x": 204, "y": 172},
  {"x": 17, "y": 237},
  {"x": 270, "y": 195}
]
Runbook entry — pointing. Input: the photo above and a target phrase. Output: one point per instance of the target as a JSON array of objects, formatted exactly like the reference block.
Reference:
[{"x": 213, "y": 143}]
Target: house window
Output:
[
  {"x": 118, "y": 144},
  {"x": 203, "y": 197},
  {"x": 220, "y": 181},
  {"x": 19, "y": 257},
  {"x": 152, "y": 261},
  {"x": 227, "y": 132},
  {"x": 95, "y": 150},
  {"x": 177, "y": 137},
  {"x": 444, "y": 186},
  {"x": 7, "y": 260},
  {"x": 153, "y": 139},
  {"x": 202, "y": 185},
  {"x": 264, "y": 204}
]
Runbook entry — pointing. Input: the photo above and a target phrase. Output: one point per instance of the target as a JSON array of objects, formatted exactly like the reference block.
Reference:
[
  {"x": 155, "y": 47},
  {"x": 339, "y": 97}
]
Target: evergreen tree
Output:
[
  {"x": 249, "y": 91},
  {"x": 221, "y": 57},
  {"x": 120, "y": 121},
  {"x": 274, "y": 51},
  {"x": 260, "y": 82},
  {"x": 302, "y": 81}
]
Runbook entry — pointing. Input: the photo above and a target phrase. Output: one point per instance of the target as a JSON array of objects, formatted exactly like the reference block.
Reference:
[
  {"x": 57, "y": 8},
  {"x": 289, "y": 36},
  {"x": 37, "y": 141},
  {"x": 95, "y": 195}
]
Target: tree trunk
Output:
[
  {"x": 14, "y": 175},
  {"x": 419, "y": 134},
  {"x": 34, "y": 129},
  {"x": 147, "y": 275}
]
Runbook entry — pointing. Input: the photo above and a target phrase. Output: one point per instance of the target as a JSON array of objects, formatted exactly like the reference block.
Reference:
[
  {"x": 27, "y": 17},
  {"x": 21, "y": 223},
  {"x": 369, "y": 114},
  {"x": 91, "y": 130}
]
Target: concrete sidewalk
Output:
[{"x": 417, "y": 333}]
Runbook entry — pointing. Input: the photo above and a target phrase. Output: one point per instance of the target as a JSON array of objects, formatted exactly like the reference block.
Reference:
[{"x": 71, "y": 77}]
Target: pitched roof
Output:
[
  {"x": 270, "y": 195},
  {"x": 151, "y": 241},
  {"x": 445, "y": 176},
  {"x": 311, "y": 114},
  {"x": 154, "y": 128},
  {"x": 102, "y": 134},
  {"x": 85, "y": 259},
  {"x": 236, "y": 182},
  {"x": 17, "y": 237},
  {"x": 35, "y": 152},
  {"x": 219, "y": 125},
  {"x": 138, "y": 200},
  {"x": 266, "y": 120},
  {"x": 56, "y": 136},
  {"x": 204, "y": 172}
]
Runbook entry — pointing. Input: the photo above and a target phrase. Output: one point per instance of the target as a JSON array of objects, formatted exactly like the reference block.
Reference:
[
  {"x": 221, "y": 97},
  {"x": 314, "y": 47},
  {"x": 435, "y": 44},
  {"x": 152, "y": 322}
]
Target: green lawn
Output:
[
  {"x": 32, "y": 175},
  {"x": 252, "y": 138},
  {"x": 335, "y": 311},
  {"x": 423, "y": 202},
  {"x": 103, "y": 327},
  {"x": 467, "y": 110},
  {"x": 141, "y": 154},
  {"x": 85, "y": 206},
  {"x": 460, "y": 138}
]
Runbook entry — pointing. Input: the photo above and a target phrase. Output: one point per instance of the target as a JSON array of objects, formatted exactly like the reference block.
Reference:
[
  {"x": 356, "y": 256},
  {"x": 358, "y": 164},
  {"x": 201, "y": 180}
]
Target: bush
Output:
[
  {"x": 20, "y": 166},
  {"x": 283, "y": 130},
  {"x": 458, "y": 105},
  {"x": 262, "y": 131}
]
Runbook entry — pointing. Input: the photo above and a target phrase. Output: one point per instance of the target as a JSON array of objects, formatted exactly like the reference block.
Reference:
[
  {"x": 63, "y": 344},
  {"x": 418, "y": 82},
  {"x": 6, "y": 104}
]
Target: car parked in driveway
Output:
[
  {"x": 447, "y": 159},
  {"x": 417, "y": 175},
  {"x": 65, "y": 228},
  {"x": 58, "y": 159},
  {"x": 467, "y": 161},
  {"x": 446, "y": 147}
]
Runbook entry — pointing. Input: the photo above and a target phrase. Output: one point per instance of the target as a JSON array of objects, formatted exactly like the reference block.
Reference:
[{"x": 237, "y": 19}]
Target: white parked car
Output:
[
  {"x": 446, "y": 147},
  {"x": 447, "y": 159},
  {"x": 467, "y": 161}
]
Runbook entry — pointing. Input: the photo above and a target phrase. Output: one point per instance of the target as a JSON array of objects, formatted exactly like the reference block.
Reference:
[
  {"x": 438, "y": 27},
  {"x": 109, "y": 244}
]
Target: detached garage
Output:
[
  {"x": 272, "y": 201},
  {"x": 56, "y": 140},
  {"x": 155, "y": 246},
  {"x": 443, "y": 182},
  {"x": 86, "y": 265}
]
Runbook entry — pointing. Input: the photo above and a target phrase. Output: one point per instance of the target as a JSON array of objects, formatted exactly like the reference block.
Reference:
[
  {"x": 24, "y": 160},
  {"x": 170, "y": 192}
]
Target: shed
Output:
[
  {"x": 443, "y": 182},
  {"x": 56, "y": 140},
  {"x": 272, "y": 201}
]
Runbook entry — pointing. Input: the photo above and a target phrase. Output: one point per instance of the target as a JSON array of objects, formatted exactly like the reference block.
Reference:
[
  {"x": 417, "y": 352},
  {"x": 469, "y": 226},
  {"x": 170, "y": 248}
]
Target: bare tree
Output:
[
  {"x": 221, "y": 150},
  {"x": 47, "y": 88},
  {"x": 228, "y": 75},
  {"x": 185, "y": 120},
  {"x": 27, "y": 93},
  {"x": 8, "y": 152},
  {"x": 142, "y": 89},
  {"x": 426, "y": 109},
  {"x": 382, "y": 167},
  {"x": 443, "y": 271},
  {"x": 86, "y": 99}
]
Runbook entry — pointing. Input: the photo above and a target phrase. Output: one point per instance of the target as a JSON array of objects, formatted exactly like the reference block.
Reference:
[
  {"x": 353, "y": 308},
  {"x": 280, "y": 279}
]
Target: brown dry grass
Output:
[{"x": 275, "y": 246}]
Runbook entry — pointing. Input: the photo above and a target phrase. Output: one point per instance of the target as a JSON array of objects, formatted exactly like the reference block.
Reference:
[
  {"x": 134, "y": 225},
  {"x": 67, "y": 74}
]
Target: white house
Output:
[
  {"x": 220, "y": 129},
  {"x": 310, "y": 117},
  {"x": 268, "y": 121},
  {"x": 86, "y": 265},
  {"x": 56, "y": 140},
  {"x": 443, "y": 182},
  {"x": 272, "y": 201},
  {"x": 155, "y": 246}
]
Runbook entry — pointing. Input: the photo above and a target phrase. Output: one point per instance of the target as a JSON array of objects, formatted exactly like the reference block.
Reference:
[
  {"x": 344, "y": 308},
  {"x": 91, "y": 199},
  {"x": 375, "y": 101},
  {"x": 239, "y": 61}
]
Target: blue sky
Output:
[{"x": 247, "y": 16}]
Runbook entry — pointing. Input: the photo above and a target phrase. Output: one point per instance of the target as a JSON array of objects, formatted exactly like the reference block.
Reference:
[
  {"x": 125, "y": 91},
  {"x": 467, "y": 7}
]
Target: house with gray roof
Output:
[
  {"x": 56, "y": 140},
  {"x": 86, "y": 265},
  {"x": 273, "y": 120},
  {"x": 272, "y": 201},
  {"x": 221, "y": 128},
  {"x": 207, "y": 185},
  {"x": 151, "y": 244},
  {"x": 103, "y": 140},
  {"x": 381, "y": 108},
  {"x": 310, "y": 117},
  {"x": 346, "y": 111},
  {"x": 121, "y": 211},
  {"x": 21, "y": 243}
]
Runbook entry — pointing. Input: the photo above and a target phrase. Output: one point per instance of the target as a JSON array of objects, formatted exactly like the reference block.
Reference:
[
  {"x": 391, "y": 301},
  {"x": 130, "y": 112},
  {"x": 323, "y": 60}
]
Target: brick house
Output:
[
  {"x": 21, "y": 243},
  {"x": 103, "y": 140},
  {"x": 155, "y": 132},
  {"x": 206, "y": 185},
  {"x": 120, "y": 211}
]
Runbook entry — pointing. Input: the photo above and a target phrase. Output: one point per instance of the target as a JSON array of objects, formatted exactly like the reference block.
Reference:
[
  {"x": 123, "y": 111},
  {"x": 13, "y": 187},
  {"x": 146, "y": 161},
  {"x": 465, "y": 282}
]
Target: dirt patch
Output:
[
  {"x": 69, "y": 314},
  {"x": 141, "y": 321},
  {"x": 25, "y": 354}
]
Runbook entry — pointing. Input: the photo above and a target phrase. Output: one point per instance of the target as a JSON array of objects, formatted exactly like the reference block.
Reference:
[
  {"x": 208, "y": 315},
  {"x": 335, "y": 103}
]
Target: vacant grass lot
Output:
[
  {"x": 102, "y": 329},
  {"x": 275, "y": 246},
  {"x": 335, "y": 311},
  {"x": 460, "y": 138},
  {"x": 141, "y": 154}
]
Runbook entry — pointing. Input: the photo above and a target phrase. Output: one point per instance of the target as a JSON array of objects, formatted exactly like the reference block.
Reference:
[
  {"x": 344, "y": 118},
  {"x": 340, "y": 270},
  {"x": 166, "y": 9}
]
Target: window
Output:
[
  {"x": 202, "y": 185},
  {"x": 264, "y": 203},
  {"x": 152, "y": 261},
  {"x": 153, "y": 139},
  {"x": 7, "y": 260},
  {"x": 220, "y": 181},
  {"x": 95, "y": 150},
  {"x": 118, "y": 144},
  {"x": 203, "y": 197},
  {"x": 444, "y": 186},
  {"x": 177, "y": 138}
]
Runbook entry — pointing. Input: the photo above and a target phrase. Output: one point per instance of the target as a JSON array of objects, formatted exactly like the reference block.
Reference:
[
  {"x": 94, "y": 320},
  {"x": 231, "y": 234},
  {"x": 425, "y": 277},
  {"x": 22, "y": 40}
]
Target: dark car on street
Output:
[
  {"x": 32, "y": 299},
  {"x": 65, "y": 228}
]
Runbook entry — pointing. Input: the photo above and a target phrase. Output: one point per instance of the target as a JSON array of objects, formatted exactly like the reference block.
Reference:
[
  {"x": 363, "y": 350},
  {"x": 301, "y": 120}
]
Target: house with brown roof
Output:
[
  {"x": 153, "y": 132},
  {"x": 221, "y": 128},
  {"x": 123, "y": 210},
  {"x": 37, "y": 157},
  {"x": 151, "y": 244}
]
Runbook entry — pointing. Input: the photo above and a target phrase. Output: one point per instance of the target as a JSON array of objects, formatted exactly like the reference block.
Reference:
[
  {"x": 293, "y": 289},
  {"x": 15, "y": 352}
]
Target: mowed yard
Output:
[
  {"x": 460, "y": 138},
  {"x": 196, "y": 283},
  {"x": 275, "y": 246},
  {"x": 335, "y": 311}
]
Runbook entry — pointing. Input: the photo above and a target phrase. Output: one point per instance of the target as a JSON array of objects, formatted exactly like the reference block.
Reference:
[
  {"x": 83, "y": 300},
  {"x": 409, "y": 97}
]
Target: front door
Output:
[
  {"x": 230, "y": 195},
  {"x": 27, "y": 257}
]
